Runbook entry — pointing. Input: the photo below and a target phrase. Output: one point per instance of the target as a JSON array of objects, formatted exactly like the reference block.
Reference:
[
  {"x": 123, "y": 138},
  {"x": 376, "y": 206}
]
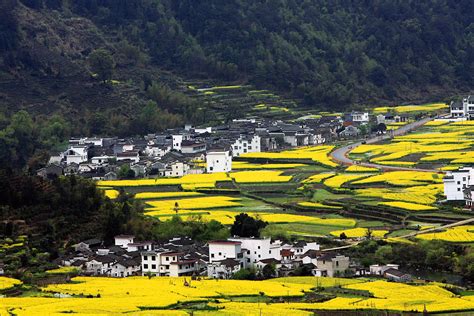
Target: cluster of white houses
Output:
[
  {"x": 175, "y": 152},
  {"x": 219, "y": 259},
  {"x": 179, "y": 152}
]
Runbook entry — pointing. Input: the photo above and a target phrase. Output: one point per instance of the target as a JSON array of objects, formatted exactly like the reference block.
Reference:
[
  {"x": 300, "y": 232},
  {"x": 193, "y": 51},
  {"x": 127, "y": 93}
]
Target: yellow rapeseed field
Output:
[
  {"x": 318, "y": 178},
  {"x": 194, "y": 203},
  {"x": 402, "y": 178},
  {"x": 453, "y": 234},
  {"x": 246, "y": 165},
  {"x": 318, "y": 154},
  {"x": 63, "y": 270},
  {"x": 259, "y": 176},
  {"x": 358, "y": 168},
  {"x": 339, "y": 180},
  {"x": 228, "y": 217},
  {"x": 192, "y": 179},
  {"x": 164, "y": 195},
  {"x": 111, "y": 194},
  {"x": 6, "y": 283},
  {"x": 318, "y": 205},
  {"x": 359, "y": 232},
  {"x": 408, "y": 206},
  {"x": 411, "y": 108},
  {"x": 129, "y": 295},
  {"x": 421, "y": 194}
]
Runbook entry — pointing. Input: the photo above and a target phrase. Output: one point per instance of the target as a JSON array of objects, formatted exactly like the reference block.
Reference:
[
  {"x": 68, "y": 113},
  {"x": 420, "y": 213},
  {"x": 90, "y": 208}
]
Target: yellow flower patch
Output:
[
  {"x": 192, "y": 179},
  {"x": 318, "y": 154},
  {"x": 359, "y": 232},
  {"x": 338, "y": 181},
  {"x": 453, "y": 234},
  {"x": 408, "y": 206},
  {"x": 318, "y": 178},
  {"x": 164, "y": 195},
  {"x": 193, "y": 203},
  {"x": 259, "y": 176},
  {"x": 358, "y": 168},
  {"x": 6, "y": 283},
  {"x": 111, "y": 194},
  {"x": 318, "y": 205}
]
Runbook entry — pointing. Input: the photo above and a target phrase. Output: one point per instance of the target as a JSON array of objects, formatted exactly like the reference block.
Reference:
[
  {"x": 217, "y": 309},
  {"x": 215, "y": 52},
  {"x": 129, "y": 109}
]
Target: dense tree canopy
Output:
[{"x": 327, "y": 53}]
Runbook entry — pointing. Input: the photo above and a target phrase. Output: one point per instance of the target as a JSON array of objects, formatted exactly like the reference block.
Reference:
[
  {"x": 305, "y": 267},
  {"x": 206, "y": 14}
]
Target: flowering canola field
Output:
[
  {"x": 408, "y": 206},
  {"x": 319, "y": 154},
  {"x": 140, "y": 295},
  {"x": 194, "y": 203},
  {"x": 359, "y": 232},
  {"x": 6, "y": 283},
  {"x": 453, "y": 234}
]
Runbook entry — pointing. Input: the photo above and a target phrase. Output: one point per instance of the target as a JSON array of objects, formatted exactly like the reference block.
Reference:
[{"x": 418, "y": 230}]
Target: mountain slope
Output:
[{"x": 327, "y": 54}]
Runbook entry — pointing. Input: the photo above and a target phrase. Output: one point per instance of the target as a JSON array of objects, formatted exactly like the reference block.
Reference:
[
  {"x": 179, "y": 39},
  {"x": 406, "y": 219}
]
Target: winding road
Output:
[{"x": 340, "y": 155}]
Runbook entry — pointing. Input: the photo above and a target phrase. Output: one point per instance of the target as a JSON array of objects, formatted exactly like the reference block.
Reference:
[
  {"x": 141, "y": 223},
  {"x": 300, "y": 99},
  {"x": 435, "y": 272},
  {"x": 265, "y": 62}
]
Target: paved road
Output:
[{"x": 340, "y": 155}]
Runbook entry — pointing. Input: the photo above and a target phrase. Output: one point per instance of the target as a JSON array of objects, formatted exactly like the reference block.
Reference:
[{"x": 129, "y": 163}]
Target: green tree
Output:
[
  {"x": 247, "y": 226},
  {"x": 102, "y": 64}
]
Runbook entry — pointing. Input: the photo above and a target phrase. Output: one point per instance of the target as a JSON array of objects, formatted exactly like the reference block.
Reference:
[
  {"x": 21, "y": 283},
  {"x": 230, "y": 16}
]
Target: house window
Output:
[
  {"x": 167, "y": 258},
  {"x": 459, "y": 189},
  {"x": 463, "y": 178},
  {"x": 248, "y": 259},
  {"x": 269, "y": 252},
  {"x": 211, "y": 168},
  {"x": 337, "y": 263},
  {"x": 459, "y": 182},
  {"x": 220, "y": 253},
  {"x": 153, "y": 266},
  {"x": 248, "y": 252},
  {"x": 145, "y": 266},
  {"x": 258, "y": 247},
  {"x": 212, "y": 255},
  {"x": 153, "y": 258},
  {"x": 145, "y": 258}
]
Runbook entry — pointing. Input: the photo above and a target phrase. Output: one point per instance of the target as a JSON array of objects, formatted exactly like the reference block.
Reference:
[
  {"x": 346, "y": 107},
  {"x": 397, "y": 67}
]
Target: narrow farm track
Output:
[{"x": 340, "y": 155}]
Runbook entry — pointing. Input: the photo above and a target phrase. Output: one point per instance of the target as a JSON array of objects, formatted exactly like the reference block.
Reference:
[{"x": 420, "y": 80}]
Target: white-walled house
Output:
[
  {"x": 464, "y": 108},
  {"x": 255, "y": 249},
  {"x": 223, "y": 269},
  {"x": 379, "y": 269},
  {"x": 331, "y": 265},
  {"x": 132, "y": 156},
  {"x": 123, "y": 240},
  {"x": 76, "y": 154},
  {"x": 225, "y": 249},
  {"x": 99, "y": 160},
  {"x": 176, "y": 169},
  {"x": 455, "y": 182},
  {"x": 191, "y": 147},
  {"x": 246, "y": 144},
  {"x": 218, "y": 160},
  {"x": 167, "y": 263},
  {"x": 178, "y": 139},
  {"x": 360, "y": 117}
]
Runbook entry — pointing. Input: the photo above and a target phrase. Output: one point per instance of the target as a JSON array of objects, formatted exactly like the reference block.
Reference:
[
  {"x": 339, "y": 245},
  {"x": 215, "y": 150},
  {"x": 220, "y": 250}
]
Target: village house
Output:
[
  {"x": 245, "y": 144},
  {"x": 456, "y": 182},
  {"x": 462, "y": 109},
  {"x": 218, "y": 160},
  {"x": 168, "y": 263},
  {"x": 331, "y": 265}
]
